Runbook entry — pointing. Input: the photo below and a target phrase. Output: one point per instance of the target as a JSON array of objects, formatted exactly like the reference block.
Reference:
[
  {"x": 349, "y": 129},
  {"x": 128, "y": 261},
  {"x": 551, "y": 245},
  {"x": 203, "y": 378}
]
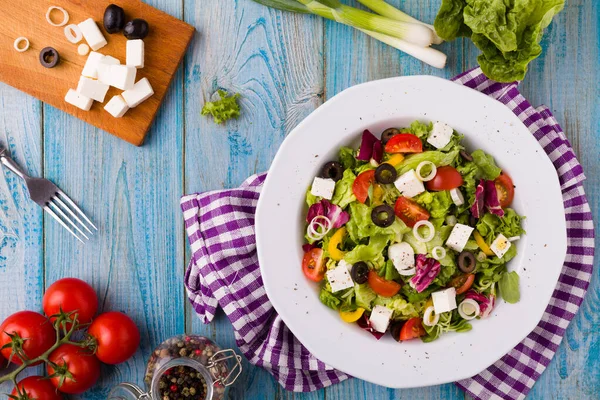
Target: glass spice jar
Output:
[{"x": 186, "y": 367}]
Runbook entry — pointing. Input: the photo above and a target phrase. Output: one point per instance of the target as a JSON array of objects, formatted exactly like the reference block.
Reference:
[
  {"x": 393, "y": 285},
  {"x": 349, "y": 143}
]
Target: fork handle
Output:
[{"x": 10, "y": 164}]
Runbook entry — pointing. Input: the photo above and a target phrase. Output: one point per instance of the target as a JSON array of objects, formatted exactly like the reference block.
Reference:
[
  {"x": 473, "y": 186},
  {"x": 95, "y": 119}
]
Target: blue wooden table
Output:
[{"x": 284, "y": 66}]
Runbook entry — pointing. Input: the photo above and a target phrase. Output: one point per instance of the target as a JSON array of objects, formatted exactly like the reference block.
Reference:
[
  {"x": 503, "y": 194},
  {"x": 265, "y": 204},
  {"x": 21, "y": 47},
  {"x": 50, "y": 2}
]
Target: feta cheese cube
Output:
[
  {"x": 90, "y": 69},
  {"x": 140, "y": 92},
  {"x": 323, "y": 188},
  {"x": 440, "y": 135},
  {"x": 117, "y": 107},
  {"x": 346, "y": 264},
  {"x": 444, "y": 300},
  {"x": 135, "y": 53},
  {"x": 78, "y": 100},
  {"x": 121, "y": 76},
  {"x": 380, "y": 318},
  {"x": 500, "y": 245},
  {"x": 92, "y": 34},
  {"x": 92, "y": 88},
  {"x": 459, "y": 236},
  {"x": 104, "y": 68},
  {"x": 409, "y": 185},
  {"x": 457, "y": 197},
  {"x": 339, "y": 278},
  {"x": 402, "y": 256}
]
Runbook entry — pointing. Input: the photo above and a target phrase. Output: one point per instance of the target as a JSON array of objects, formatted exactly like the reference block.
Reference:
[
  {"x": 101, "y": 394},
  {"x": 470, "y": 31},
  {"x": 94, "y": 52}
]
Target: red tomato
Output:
[
  {"x": 382, "y": 286},
  {"x": 404, "y": 143},
  {"x": 83, "y": 367},
  {"x": 412, "y": 329},
  {"x": 117, "y": 337},
  {"x": 361, "y": 185},
  {"x": 33, "y": 328},
  {"x": 410, "y": 212},
  {"x": 36, "y": 388},
  {"x": 71, "y": 294},
  {"x": 505, "y": 189},
  {"x": 462, "y": 283},
  {"x": 446, "y": 178},
  {"x": 313, "y": 265}
]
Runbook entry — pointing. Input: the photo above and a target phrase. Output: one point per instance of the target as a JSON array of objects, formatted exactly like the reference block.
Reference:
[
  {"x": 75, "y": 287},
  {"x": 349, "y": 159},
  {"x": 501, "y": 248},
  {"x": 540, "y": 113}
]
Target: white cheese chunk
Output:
[
  {"x": 339, "y": 278},
  {"x": 92, "y": 34},
  {"x": 380, "y": 318},
  {"x": 346, "y": 264},
  {"x": 409, "y": 185},
  {"x": 90, "y": 69},
  {"x": 78, "y": 100},
  {"x": 140, "y": 92},
  {"x": 444, "y": 300},
  {"x": 323, "y": 188},
  {"x": 135, "y": 53},
  {"x": 440, "y": 135},
  {"x": 103, "y": 68},
  {"x": 121, "y": 76},
  {"x": 92, "y": 88},
  {"x": 458, "y": 237},
  {"x": 500, "y": 245},
  {"x": 402, "y": 256},
  {"x": 457, "y": 197},
  {"x": 117, "y": 107}
]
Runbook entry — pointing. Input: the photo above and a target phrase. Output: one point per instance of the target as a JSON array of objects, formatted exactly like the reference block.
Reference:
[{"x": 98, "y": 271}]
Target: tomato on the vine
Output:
[
  {"x": 73, "y": 369},
  {"x": 71, "y": 295},
  {"x": 117, "y": 337},
  {"x": 29, "y": 332},
  {"x": 36, "y": 388}
]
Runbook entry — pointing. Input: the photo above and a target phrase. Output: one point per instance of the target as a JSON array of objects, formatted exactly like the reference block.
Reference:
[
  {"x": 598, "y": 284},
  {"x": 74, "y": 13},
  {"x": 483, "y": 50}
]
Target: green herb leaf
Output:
[
  {"x": 224, "y": 109},
  {"x": 509, "y": 287}
]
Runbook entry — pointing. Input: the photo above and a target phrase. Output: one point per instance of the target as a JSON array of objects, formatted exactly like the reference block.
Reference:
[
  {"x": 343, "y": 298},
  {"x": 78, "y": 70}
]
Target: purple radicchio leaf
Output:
[
  {"x": 366, "y": 146},
  {"x": 491, "y": 199},
  {"x": 477, "y": 207},
  {"x": 365, "y": 324},
  {"x": 336, "y": 215},
  {"x": 306, "y": 247},
  {"x": 427, "y": 270},
  {"x": 486, "y": 304},
  {"x": 377, "y": 151}
]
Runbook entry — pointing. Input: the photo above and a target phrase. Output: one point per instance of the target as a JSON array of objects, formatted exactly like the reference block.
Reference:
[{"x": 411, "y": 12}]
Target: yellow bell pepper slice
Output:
[
  {"x": 352, "y": 316},
  {"x": 429, "y": 303},
  {"x": 377, "y": 195},
  {"x": 395, "y": 159},
  {"x": 334, "y": 252},
  {"x": 482, "y": 244}
]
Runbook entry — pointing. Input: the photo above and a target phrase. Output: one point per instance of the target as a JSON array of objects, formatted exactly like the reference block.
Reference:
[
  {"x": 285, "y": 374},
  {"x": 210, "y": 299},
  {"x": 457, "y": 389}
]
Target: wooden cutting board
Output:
[{"x": 164, "y": 48}]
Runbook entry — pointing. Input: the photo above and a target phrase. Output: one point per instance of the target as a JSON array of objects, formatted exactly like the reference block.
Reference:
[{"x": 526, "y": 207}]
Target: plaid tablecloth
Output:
[{"x": 224, "y": 271}]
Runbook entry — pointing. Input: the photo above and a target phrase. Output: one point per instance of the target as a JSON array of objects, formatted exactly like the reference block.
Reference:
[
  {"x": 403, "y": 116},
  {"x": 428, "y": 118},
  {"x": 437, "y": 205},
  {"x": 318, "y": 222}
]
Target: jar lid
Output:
[{"x": 128, "y": 391}]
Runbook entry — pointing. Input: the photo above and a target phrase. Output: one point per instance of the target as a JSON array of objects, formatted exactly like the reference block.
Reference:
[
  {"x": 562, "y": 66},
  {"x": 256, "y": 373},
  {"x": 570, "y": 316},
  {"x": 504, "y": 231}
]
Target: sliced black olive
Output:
[
  {"x": 385, "y": 174},
  {"x": 114, "y": 18},
  {"x": 466, "y": 262},
  {"x": 388, "y": 134},
  {"x": 49, "y": 57},
  {"x": 466, "y": 155},
  {"x": 360, "y": 272},
  {"x": 332, "y": 170},
  {"x": 395, "y": 329},
  {"x": 472, "y": 221},
  {"x": 136, "y": 29},
  {"x": 383, "y": 216}
]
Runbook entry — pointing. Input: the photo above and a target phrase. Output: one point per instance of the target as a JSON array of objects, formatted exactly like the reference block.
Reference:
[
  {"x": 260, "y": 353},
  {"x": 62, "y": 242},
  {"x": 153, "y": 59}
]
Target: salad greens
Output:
[
  {"x": 224, "y": 109},
  {"x": 423, "y": 230}
]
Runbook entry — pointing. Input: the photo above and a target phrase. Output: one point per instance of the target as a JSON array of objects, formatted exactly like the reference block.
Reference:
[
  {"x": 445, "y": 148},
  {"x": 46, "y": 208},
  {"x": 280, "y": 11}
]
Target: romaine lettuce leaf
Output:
[
  {"x": 364, "y": 296},
  {"x": 437, "y": 203},
  {"x": 439, "y": 158},
  {"x": 487, "y": 166},
  {"x": 402, "y": 309},
  {"x": 490, "y": 226},
  {"x": 347, "y": 158},
  {"x": 372, "y": 252},
  {"x": 329, "y": 299},
  {"x": 361, "y": 225},
  {"x": 343, "y": 195}
]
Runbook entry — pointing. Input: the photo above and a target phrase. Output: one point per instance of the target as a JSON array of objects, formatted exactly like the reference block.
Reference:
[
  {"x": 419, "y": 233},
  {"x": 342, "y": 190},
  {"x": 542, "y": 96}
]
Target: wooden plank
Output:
[
  {"x": 164, "y": 48},
  {"x": 274, "y": 60}
]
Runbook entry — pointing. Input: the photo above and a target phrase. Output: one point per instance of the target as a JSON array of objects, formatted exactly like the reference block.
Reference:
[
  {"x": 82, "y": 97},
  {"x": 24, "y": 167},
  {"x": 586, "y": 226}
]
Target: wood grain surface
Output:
[
  {"x": 164, "y": 49},
  {"x": 284, "y": 66}
]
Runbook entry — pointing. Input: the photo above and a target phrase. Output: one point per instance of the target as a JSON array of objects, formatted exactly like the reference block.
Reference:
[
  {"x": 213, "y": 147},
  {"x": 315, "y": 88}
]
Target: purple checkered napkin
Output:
[{"x": 224, "y": 271}]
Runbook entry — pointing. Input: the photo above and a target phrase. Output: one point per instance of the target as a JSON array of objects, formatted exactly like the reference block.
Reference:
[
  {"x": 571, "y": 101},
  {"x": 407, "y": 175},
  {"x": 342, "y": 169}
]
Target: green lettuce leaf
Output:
[
  {"x": 361, "y": 225},
  {"x": 364, "y": 296},
  {"x": 486, "y": 164},
  {"x": 450, "y": 22},
  {"x": 343, "y": 195},
  {"x": 509, "y": 287},
  {"x": 437, "y": 203},
  {"x": 224, "y": 109},
  {"x": 347, "y": 158},
  {"x": 372, "y": 252},
  {"x": 490, "y": 225},
  {"x": 420, "y": 129},
  {"x": 329, "y": 299},
  {"x": 439, "y": 158},
  {"x": 310, "y": 198},
  {"x": 402, "y": 309}
]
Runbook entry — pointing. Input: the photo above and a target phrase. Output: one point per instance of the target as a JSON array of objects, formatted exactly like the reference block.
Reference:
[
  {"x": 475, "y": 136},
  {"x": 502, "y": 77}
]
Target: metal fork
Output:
[{"x": 48, "y": 196}]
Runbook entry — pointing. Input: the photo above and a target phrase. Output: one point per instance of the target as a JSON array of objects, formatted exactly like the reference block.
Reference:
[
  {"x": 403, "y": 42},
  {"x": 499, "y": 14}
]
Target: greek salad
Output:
[{"x": 411, "y": 233}]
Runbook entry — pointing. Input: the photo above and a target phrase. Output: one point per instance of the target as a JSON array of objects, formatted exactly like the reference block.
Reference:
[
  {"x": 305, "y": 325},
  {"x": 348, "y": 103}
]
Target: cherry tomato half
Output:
[
  {"x": 117, "y": 337},
  {"x": 37, "y": 388},
  {"x": 505, "y": 189},
  {"x": 404, "y": 143},
  {"x": 361, "y": 185},
  {"x": 462, "y": 283},
  {"x": 382, "y": 286},
  {"x": 446, "y": 178},
  {"x": 68, "y": 295},
  {"x": 412, "y": 329},
  {"x": 410, "y": 212},
  {"x": 82, "y": 366},
  {"x": 33, "y": 328},
  {"x": 313, "y": 265}
]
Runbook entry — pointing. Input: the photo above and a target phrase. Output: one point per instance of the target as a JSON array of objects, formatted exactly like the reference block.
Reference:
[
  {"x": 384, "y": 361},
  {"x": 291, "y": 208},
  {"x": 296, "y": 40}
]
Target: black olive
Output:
[
  {"x": 466, "y": 155},
  {"x": 383, "y": 216},
  {"x": 395, "y": 329},
  {"x": 466, "y": 262},
  {"x": 385, "y": 174},
  {"x": 472, "y": 221},
  {"x": 114, "y": 18},
  {"x": 49, "y": 57},
  {"x": 360, "y": 272},
  {"x": 388, "y": 134},
  {"x": 332, "y": 170},
  {"x": 136, "y": 29}
]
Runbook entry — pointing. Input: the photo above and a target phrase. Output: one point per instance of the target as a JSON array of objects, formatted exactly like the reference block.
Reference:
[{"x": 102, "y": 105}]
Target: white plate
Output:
[{"x": 488, "y": 125}]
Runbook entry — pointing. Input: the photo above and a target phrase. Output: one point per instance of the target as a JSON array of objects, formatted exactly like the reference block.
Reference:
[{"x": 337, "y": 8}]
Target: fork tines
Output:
[{"x": 68, "y": 214}]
